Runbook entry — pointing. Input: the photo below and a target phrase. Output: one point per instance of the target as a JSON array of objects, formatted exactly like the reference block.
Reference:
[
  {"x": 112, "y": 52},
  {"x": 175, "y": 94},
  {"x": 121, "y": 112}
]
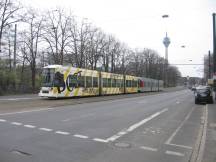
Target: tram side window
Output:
[
  {"x": 113, "y": 82},
  {"x": 95, "y": 81},
  {"x": 88, "y": 81},
  {"x": 128, "y": 83},
  {"x": 59, "y": 80},
  {"x": 118, "y": 82},
  {"x": 109, "y": 82},
  {"x": 72, "y": 81},
  {"x": 81, "y": 81},
  {"x": 104, "y": 82},
  {"x": 134, "y": 83},
  {"x": 122, "y": 82}
]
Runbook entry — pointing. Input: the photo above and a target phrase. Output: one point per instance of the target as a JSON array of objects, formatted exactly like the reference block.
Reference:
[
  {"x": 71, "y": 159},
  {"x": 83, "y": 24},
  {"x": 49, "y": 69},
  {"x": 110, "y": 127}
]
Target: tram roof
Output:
[{"x": 52, "y": 66}]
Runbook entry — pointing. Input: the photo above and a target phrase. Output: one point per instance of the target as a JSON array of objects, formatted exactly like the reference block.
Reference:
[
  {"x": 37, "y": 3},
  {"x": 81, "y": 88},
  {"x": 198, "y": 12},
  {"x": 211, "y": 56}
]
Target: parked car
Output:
[
  {"x": 203, "y": 95},
  {"x": 193, "y": 88}
]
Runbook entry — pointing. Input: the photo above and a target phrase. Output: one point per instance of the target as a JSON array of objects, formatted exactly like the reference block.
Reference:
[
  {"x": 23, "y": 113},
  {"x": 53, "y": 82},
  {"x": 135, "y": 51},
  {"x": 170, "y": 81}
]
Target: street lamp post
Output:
[{"x": 15, "y": 35}]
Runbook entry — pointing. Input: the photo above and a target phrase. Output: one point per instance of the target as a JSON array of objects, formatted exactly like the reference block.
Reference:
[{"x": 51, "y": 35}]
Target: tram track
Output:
[{"x": 11, "y": 105}]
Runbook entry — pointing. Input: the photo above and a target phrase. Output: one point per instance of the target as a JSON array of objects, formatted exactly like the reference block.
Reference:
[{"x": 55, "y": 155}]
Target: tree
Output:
[
  {"x": 31, "y": 39},
  {"x": 79, "y": 41},
  {"x": 56, "y": 34},
  {"x": 95, "y": 47},
  {"x": 8, "y": 15}
]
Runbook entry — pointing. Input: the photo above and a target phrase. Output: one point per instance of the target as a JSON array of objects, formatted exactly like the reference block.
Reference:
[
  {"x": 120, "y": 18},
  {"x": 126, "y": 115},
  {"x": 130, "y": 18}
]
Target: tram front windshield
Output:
[{"x": 48, "y": 77}]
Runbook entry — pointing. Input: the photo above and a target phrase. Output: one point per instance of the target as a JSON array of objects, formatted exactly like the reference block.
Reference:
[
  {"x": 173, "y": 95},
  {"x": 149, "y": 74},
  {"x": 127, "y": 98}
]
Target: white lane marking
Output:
[
  {"x": 179, "y": 127},
  {"x": 100, "y": 140},
  {"x": 80, "y": 136},
  {"x": 17, "y": 99},
  {"x": 133, "y": 127},
  {"x": 29, "y": 126},
  {"x": 177, "y": 102},
  {"x": 16, "y": 123},
  {"x": 174, "y": 153},
  {"x": 79, "y": 117},
  {"x": 21, "y": 112},
  {"x": 183, "y": 146},
  {"x": 122, "y": 133},
  {"x": 46, "y": 129},
  {"x": 2, "y": 120},
  {"x": 61, "y": 132},
  {"x": 149, "y": 148}
]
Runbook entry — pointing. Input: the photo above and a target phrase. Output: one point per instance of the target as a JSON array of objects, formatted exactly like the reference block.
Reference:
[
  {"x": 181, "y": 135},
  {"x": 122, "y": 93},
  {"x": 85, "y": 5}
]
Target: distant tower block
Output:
[{"x": 166, "y": 42}]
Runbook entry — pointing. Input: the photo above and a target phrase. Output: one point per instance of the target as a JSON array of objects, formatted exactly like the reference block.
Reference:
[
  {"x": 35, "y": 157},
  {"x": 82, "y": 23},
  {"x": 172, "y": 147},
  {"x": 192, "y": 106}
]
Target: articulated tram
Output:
[{"x": 66, "y": 81}]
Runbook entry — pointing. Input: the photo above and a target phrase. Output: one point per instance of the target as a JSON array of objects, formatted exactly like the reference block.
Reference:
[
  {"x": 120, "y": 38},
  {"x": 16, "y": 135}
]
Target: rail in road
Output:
[
  {"x": 9, "y": 104},
  {"x": 161, "y": 127}
]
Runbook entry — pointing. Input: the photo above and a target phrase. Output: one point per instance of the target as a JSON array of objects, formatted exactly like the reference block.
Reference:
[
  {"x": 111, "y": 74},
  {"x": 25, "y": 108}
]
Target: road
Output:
[{"x": 161, "y": 127}]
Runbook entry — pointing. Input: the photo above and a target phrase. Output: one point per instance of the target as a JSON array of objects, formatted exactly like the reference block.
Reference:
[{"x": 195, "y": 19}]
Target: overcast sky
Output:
[{"x": 139, "y": 24}]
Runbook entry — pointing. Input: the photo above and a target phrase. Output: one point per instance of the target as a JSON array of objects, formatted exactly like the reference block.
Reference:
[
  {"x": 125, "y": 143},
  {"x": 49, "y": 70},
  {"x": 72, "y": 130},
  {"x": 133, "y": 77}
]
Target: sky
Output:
[{"x": 139, "y": 24}]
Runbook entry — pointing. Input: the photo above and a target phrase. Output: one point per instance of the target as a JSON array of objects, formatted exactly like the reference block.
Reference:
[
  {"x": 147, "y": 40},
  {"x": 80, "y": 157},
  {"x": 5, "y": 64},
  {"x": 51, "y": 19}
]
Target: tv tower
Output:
[{"x": 166, "y": 42}]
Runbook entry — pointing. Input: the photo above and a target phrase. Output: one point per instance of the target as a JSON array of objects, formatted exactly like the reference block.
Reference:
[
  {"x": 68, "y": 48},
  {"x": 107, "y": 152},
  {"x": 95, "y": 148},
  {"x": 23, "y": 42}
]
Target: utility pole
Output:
[
  {"x": 15, "y": 34},
  {"x": 214, "y": 52},
  {"x": 214, "y": 43},
  {"x": 209, "y": 64},
  {"x": 14, "y": 62}
]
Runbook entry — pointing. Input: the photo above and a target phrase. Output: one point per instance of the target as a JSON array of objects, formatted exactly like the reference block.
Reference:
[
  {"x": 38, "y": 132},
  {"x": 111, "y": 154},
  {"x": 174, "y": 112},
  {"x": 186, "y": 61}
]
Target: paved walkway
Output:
[{"x": 210, "y": 144}]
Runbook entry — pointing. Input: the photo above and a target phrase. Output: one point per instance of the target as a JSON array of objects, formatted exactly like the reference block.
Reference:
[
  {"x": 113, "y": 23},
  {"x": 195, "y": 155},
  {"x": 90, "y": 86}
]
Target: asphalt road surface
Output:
[{"x": 162, "y": 127}]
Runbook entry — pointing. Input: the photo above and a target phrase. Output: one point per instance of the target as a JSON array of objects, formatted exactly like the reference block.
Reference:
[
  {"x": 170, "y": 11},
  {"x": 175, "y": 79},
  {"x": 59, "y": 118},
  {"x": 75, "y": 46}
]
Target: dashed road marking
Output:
[
  {"x": 46, "y": 129},
  {"x": 149, "y": 148},
  {"x": 21, "y": 112},
  {"x": 61, "y": 132},
  {"x": 2, "y": 120},
  {"x": 177, "y": 102},
  {"x": 100, "y": 140},
  {"x": 29, "y": 126},
  {"x": 174, "y": 153},
  {"x": 17, "y": 99},
  {"x": 80, "y": 136},
  {"x": 183, "y": 146},
  {"x": 16, "y": 123}
]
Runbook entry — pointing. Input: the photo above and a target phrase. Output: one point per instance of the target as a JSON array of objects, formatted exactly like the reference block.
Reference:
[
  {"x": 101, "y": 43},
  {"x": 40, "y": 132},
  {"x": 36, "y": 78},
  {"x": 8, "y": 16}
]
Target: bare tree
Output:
[
  {"x": 96, "y": 47},
  {"x": 56, "y": 34},
  {"x": 31, "y": 38},
  {"x": 80, "y": 36},
  {"x": 8, "y": 15}
]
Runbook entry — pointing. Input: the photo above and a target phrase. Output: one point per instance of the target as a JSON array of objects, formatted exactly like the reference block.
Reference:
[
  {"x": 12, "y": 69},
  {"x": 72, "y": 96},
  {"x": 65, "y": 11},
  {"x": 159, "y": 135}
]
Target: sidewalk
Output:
[{"x": 210, "y": 144}]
